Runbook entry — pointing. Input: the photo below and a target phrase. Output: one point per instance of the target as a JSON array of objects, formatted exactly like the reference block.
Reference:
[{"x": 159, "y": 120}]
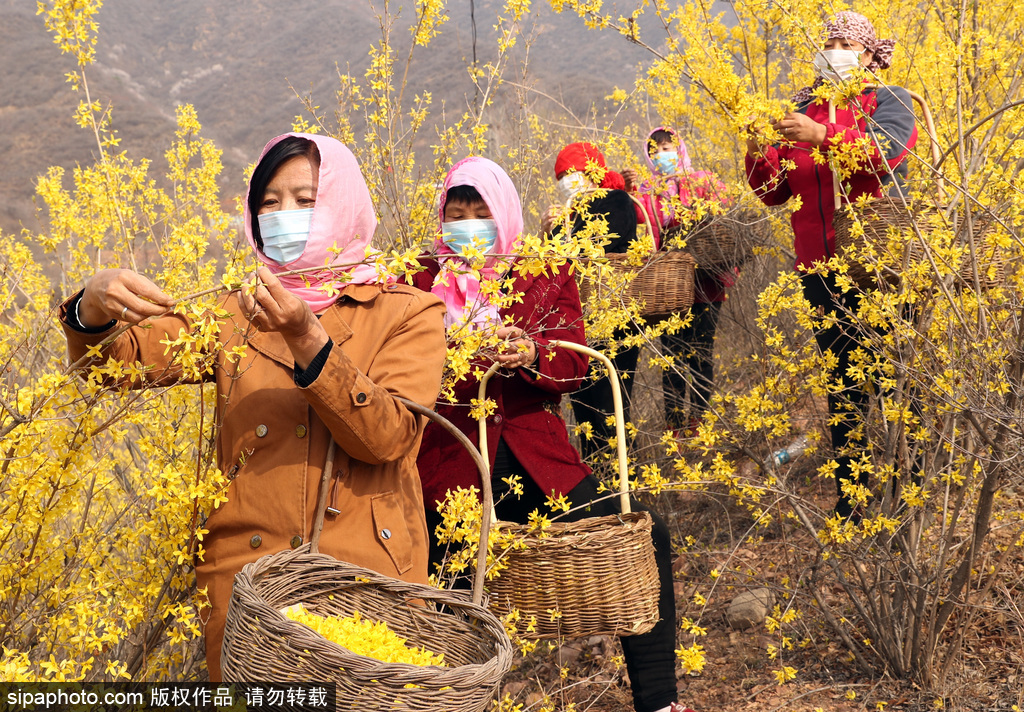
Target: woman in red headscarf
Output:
[
  {"x": 580, "y": 170},
  {"x": 596, "y": 193},
  {"x": 881, "y": 119}
]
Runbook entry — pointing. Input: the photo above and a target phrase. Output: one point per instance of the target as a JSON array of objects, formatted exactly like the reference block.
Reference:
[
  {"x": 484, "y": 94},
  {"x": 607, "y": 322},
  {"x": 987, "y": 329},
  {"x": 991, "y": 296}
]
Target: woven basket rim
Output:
[
  {"x": 648, "y": 281},
  {"x": 273, "y": 616},
  {"x": 558, "y": 530}
]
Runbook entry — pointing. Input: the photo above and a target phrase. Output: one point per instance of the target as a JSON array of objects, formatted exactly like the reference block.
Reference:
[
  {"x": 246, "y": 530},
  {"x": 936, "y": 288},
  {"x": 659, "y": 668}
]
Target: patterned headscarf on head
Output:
[
  {"x": 852, "y": 26},
  {"x": 849, "y": 25}
]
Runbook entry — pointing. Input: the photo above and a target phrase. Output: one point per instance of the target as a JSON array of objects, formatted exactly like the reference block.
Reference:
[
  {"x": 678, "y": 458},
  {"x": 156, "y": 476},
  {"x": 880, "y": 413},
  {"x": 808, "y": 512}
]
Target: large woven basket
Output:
[
  {"x": 262, "y": 644},
  {"x": 864, "y": 238},
  {"x": 720, "y": 243},
  {"x": 663, "y": 283},
  {"x": 595, "y": 576},
  {"x": 876, "y": 259},
  {"x": 884, "y": 236}
]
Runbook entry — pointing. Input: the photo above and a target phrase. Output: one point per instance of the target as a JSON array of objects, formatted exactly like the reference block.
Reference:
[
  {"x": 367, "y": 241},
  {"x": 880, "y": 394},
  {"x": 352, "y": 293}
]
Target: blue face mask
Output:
[
  {"x": 285, "y": 234},
  {"x": 459, "y": 234},
  {"x": 665, "y": 162}
]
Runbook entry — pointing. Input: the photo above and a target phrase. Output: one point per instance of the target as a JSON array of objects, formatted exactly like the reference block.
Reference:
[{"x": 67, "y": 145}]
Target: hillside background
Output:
[{"x": 238, "y": 64}]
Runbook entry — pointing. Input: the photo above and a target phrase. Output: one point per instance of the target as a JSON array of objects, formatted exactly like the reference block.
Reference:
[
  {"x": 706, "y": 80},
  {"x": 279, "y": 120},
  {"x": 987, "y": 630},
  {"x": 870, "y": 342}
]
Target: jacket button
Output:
[
  {"x": 261, "y": 431},
  {"x": 255, "y": 541},
  {"x": 496, "y": 418},
  {"x": 296, "y": 541},
  {"x": 300, "y": 431},
  {"x": 360, "y": 398},
  {"x": 385, "y": 533}
]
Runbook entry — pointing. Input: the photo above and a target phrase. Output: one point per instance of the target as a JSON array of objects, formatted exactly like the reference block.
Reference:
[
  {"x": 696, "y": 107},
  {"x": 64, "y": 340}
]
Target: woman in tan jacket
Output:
[{"x": 326, "y": 355}]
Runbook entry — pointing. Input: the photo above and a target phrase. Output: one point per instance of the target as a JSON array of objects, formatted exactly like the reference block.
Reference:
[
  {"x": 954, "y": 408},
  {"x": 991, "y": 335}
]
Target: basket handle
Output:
[
  {"x": 485, "y": 486},
  {"x": 620, "y": 426},
  {"x": 321, "y": 499},
  {"x": 647, "y": 215},
  {"x": 933, "y": 139},
  {"x": 481, "y": 464}
]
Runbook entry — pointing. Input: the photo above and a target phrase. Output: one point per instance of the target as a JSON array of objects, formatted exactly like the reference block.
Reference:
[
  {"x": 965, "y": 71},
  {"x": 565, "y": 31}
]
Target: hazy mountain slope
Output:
[{"x": 234, "y": 61}]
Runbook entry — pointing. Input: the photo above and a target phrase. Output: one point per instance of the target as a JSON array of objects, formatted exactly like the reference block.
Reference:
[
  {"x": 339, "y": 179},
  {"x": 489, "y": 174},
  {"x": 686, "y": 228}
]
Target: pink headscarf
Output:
[
  {"x": 340, "y": 232},
  {"x": 457, "y": 287},
  {"x": 658, "y": 192},
  {"x": 683, "y": 161}
]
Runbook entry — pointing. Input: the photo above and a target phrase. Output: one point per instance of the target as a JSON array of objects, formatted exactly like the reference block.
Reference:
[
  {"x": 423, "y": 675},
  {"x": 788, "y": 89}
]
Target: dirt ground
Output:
[{"x": 739, "y": 676}]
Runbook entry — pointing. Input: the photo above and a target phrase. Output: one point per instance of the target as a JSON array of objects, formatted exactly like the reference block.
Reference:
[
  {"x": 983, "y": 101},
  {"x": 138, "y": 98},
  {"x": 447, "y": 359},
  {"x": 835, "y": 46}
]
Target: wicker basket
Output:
[
  {"x": 868, "y": 232},
  {"x": 599, "y": 574},
  {"x": 719, "y": 243},
  {"x": 261, "y": 644},
  {"x": 663, "y": 283},
  {"x": 875, "y": 259}
]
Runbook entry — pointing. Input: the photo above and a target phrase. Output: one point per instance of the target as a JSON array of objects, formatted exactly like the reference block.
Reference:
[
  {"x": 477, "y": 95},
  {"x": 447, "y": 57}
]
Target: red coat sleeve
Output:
[
  {"x": 765, "y": 176},
  {"x": 560, "y": 315}
]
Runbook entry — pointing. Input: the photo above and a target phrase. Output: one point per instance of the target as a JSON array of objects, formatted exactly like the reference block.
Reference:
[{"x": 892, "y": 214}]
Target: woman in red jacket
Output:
[
  {"x": 674, "y": 185},
  {"x": 526, "y": 435},
  {"x": 884, "y": 116}
]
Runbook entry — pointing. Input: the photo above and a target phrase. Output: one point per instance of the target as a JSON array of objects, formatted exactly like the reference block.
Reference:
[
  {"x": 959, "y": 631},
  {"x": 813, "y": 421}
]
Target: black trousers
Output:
[
  {"x": 847, "y": 409},
  {"x": 694, "y": 368},
  {"x": 650, "y": 658},
  {"x": 593, "y": 403}
]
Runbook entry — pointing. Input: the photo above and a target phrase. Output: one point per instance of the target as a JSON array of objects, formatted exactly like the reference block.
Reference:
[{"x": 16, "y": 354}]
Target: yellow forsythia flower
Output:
[{"x": 372, "y": 639}]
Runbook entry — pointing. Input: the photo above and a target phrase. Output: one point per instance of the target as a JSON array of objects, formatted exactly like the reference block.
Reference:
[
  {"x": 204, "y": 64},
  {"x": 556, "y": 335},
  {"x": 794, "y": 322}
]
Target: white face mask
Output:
[
  {"x": 285, "y": 233},
  {"x": 461, "y": 234},
  {"x": 836, "y": 64},
  {"x": 572, "y": 183}
]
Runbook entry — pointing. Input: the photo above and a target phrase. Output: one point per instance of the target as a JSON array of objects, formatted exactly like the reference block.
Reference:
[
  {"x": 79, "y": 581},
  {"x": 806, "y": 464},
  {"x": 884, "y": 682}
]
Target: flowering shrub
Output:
[{"x": 105, "y": 490}]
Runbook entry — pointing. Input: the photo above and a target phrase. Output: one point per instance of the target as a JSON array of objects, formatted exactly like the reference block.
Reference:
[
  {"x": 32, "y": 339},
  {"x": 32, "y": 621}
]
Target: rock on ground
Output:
[{"x": 750, "y": 608}]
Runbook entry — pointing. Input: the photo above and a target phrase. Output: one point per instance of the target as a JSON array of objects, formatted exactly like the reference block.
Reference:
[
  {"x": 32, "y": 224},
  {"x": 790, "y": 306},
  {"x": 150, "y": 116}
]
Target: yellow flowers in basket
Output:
[{"x": 372, "y": 639}]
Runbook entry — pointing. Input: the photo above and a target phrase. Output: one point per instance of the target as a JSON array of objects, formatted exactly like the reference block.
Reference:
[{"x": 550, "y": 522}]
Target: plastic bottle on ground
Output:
[{"x": 789, "y": 453}]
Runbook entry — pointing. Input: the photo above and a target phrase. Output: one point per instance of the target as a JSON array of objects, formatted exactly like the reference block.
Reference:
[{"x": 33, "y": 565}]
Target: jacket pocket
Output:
[{"x": 391, "y": 530}]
